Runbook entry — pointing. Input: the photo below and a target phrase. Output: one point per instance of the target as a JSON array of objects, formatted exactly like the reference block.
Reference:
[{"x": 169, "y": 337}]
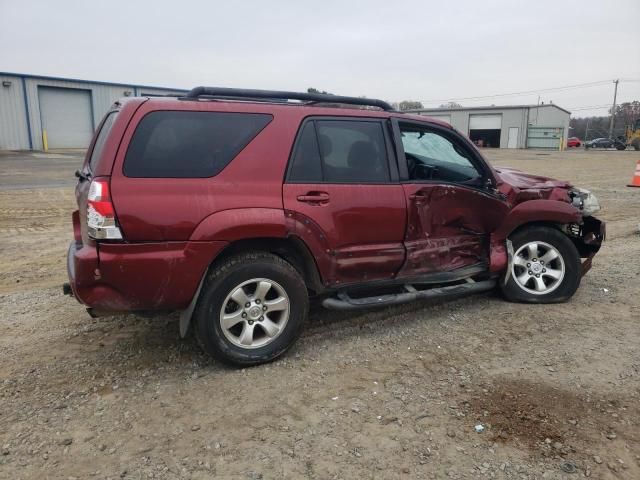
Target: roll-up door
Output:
[
  {"x": 66, "y": 116},
  {"x": 484, "y": 129}
]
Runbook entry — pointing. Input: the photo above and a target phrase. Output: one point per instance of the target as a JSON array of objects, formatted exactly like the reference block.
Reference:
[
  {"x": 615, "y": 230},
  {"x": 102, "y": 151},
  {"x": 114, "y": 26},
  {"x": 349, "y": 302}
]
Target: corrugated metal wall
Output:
[
  {"x": 14, "y": 130},
  {"x": 13, "y": 116},
  {"x": 550, "y": 116},
  {"x": 511, "y": 117}
]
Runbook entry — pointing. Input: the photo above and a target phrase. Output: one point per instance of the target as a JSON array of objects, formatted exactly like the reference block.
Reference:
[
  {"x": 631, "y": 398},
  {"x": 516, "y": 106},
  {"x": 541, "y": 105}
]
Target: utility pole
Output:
[
  {"x": 586, "y": 132},
  {"x": 613, "y": 110}
]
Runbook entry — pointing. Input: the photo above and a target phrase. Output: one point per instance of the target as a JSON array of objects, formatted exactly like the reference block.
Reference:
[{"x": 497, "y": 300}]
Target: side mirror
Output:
[{"x": 488, "y": 183}]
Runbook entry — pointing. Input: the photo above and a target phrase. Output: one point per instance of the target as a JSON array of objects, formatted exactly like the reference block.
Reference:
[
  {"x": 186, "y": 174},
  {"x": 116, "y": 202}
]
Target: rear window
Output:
[
  {"x": 98, "y": 147},
  {"x": 170, "y": 144}
]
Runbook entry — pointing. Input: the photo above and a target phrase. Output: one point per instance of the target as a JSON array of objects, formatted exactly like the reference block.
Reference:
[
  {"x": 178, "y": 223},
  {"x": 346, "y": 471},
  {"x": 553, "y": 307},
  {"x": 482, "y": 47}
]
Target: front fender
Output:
[
  {"x": 536, "y": 211},
  {"x": 241, "y": 224},
  {"x": 531, "y": 211}
]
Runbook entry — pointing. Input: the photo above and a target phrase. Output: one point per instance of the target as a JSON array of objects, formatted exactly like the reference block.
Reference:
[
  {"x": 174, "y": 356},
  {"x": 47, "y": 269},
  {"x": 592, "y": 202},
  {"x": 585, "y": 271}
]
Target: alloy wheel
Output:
[
  {"x": 538, "y": 268},
  {"x": 254, "y": 313}
]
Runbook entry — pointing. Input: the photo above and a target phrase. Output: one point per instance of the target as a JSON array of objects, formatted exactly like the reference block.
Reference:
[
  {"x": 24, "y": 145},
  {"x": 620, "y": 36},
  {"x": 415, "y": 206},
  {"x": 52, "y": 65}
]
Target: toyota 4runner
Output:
[{"x": 236, "y": 206}]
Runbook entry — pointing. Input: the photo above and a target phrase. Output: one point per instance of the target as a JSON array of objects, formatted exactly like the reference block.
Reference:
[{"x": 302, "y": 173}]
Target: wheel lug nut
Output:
[
  {"x": 541, "y": 262},
  {"x": 264, "y": 308},
  {"x": 528, "y": 264},
  {"x": 250, "y": 322},
  {"x": 247, "y": 305},
  {"x": 537, "y": 275},
  {"x": 530, "y": 272},
  {"x": 261, "y": 318},
  {"x": 244, "y": 315},
  {"x": 544, "y": 270},
  {"x": 535, "y": 259},
  {"x": 258, "y": 301}
]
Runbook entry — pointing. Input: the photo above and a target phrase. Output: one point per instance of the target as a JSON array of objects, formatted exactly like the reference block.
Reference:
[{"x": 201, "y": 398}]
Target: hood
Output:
[{"x": 519, "y": 186}]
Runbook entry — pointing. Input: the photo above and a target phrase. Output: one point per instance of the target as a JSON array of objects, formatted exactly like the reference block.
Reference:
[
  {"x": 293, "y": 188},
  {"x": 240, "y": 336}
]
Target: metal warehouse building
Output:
[
  {"x": 64, "y": 110},
  {"x": 517, "y": 126}
]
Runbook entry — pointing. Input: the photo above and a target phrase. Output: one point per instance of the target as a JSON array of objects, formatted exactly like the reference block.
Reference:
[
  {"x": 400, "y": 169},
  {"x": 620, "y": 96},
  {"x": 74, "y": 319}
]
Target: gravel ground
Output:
[{"x": 393, "y": 393}]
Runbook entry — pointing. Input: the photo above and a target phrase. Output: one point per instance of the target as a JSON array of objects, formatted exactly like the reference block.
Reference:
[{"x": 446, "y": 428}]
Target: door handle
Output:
[
  {"x": 318, "y": 198},
  {"x": 419, "y": 196}
]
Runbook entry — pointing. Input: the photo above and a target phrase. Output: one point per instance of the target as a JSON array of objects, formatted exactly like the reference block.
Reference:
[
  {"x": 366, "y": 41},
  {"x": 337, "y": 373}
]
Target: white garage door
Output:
[
  {"x": 485, "y": 122},
  {"x": 66, "y": 116}
]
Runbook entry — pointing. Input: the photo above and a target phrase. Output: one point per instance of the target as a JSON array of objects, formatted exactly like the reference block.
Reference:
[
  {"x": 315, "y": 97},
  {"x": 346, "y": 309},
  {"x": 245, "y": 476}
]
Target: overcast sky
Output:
[{"x": 394, "y": 50}]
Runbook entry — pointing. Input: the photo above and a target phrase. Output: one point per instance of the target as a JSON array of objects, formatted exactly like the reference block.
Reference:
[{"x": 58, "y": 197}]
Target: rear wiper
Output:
[{"x": 83, "y": 176}]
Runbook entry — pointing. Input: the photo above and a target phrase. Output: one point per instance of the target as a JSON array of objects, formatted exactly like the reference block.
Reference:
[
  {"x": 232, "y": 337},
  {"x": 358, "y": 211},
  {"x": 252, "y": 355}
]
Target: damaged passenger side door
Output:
[{"x": 452, "y": 205}]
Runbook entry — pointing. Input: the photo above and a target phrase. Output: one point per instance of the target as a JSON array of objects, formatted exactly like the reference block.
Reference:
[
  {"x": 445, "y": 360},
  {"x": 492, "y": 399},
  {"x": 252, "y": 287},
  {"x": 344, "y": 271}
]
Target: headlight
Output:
[{"x": 585, "y": 201}]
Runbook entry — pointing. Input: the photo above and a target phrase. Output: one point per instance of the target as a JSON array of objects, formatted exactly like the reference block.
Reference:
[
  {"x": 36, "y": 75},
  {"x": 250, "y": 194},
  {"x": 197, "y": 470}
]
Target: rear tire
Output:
[
  {"x": 251, "y": 309},
  {"x": 546, "y": 267}
]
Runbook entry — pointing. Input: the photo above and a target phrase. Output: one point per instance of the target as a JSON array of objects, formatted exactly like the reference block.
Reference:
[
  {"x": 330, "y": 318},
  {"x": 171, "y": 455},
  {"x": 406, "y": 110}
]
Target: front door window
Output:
[{"x": 431, "y": 156}]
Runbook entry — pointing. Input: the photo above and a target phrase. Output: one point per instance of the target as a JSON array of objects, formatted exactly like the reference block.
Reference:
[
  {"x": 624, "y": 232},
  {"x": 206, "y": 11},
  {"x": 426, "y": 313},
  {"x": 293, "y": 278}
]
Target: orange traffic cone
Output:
[{"x": 635, "y": 181}]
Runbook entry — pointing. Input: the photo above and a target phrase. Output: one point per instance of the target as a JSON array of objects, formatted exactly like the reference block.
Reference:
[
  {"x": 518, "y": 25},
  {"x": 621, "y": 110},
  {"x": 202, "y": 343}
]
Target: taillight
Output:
[{"x": 101, "y": 217}]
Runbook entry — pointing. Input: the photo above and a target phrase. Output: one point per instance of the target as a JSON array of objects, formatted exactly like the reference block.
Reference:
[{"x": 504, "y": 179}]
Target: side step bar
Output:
[{"x": 345, "y": 302}]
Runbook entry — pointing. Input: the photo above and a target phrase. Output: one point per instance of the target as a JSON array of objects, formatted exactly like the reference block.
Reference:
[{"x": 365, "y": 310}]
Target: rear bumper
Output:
[{"x": 143, "y": 276}]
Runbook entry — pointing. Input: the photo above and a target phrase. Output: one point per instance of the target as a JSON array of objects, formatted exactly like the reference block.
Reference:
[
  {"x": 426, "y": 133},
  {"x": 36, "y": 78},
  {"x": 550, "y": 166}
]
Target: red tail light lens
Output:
[{"x": 101, "y": 217}]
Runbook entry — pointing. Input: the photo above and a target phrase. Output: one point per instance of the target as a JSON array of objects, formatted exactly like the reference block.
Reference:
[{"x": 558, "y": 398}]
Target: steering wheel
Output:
[{"x": 411, "y": 165}]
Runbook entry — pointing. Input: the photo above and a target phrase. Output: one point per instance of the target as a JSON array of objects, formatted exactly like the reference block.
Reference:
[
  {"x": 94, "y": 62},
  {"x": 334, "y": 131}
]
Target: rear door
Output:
[
  {"x": 451, "y": 208},
  {"x": 342, "y": 193}
]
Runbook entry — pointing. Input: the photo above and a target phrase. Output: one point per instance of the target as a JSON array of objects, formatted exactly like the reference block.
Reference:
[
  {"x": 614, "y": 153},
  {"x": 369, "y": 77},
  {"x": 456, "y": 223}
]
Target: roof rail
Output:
[{"x": 250, "y": 94}]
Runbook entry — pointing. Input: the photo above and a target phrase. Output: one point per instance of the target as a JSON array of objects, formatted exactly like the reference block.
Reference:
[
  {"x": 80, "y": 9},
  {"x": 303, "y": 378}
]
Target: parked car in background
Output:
[
  {"x": 236, "y": 206},
  {"x": 605, "y": 143},
  {"x": 573, "y": 142},
  {"x": 599, "y": 143}
]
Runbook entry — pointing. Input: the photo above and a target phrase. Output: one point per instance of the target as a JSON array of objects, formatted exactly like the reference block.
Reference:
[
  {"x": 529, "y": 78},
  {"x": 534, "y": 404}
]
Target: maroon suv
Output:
[{"x": 236, "y": 206}]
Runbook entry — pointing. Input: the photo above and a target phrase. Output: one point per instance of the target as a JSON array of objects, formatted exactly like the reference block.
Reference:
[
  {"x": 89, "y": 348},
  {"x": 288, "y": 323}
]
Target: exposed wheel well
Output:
[
  {"x": 574, "y": 232},
  {"x": 557, "y": 226},
  {"x": 291, "y": 249}
]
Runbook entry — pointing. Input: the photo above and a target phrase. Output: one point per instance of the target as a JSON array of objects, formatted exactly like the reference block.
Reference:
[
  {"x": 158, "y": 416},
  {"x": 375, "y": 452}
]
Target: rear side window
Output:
[
  {"x": 173, "y": 144},
  {"x": 340, "y": 151},
  {"x": 305, "y": 167},
  {"x": 98, "y": 147}
]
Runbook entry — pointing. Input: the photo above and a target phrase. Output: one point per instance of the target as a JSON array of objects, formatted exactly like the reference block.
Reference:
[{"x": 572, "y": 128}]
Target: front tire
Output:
[
  {"x": 546, "y": 267},
  {"x": 251, "y": 309}
]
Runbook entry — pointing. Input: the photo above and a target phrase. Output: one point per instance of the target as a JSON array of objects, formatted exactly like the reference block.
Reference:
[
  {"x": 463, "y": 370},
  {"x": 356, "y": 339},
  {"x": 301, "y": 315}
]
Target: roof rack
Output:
[{"x": 250, "y": 94}]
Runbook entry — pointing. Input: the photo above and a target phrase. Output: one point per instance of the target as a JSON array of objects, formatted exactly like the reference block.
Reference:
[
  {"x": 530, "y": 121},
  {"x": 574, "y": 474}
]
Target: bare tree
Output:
[{"x": 410, "y": 105}]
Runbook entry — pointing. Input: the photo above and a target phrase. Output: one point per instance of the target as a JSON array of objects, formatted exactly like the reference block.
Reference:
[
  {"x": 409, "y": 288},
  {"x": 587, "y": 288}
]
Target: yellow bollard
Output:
[{"x": 45, "y": 142}]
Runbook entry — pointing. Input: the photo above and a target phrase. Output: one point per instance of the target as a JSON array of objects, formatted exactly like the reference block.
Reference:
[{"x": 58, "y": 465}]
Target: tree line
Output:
[{"x": 587, "y": 128}]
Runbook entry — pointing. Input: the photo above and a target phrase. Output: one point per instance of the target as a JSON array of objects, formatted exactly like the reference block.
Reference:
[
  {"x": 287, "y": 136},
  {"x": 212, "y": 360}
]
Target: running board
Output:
[{"x": 345, "y": 302}]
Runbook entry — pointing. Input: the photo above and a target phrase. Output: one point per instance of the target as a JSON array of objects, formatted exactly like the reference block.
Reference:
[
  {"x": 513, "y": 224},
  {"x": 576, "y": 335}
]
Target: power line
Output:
[
  {"x": 588, "y": 107},
  {"x": 527, "y": 92}
]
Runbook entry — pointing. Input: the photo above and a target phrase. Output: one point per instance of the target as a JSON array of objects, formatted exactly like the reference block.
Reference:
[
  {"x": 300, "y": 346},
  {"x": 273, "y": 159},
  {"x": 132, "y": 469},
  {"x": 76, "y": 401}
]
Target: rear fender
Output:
[
  {"x": 241, "y": 224},
  {"x": 253, "y": 228}
]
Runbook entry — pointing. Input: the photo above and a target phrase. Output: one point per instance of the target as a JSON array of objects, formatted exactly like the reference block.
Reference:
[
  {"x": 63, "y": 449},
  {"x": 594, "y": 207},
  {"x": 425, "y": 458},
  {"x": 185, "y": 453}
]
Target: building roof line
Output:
[
  {"x": 95, "y": 82},
  {"x": 492, "y": 107}
]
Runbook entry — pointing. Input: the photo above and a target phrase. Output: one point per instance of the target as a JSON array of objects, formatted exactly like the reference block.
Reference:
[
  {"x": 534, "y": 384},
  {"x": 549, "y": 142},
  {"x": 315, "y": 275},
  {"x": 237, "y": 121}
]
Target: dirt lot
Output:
[{"x": 393, "y": 393}]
